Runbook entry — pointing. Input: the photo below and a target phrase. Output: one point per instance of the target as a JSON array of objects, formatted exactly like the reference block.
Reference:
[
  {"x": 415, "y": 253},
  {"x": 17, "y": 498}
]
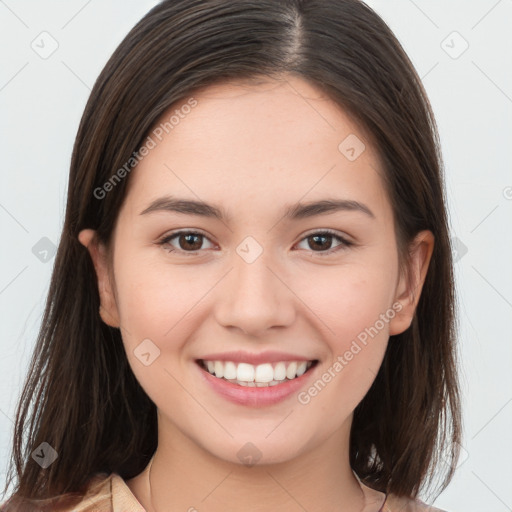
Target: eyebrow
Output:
[{"x": 292, "y": 212}]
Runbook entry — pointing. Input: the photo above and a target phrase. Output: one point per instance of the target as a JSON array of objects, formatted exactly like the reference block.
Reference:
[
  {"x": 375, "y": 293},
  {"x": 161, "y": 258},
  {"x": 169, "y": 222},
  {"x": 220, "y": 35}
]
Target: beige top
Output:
[{"x": 110, "y": 493}]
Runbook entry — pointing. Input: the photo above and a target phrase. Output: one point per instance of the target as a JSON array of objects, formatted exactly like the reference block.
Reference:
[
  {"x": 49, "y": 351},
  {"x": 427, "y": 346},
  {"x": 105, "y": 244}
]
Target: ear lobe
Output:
[
  {"x": 108, "y": 307},
  {"x": 409, "y": 290}
]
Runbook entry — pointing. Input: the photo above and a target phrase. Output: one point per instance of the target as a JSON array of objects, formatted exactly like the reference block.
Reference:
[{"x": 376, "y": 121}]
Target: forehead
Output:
[{"x": 253, "y": 145}]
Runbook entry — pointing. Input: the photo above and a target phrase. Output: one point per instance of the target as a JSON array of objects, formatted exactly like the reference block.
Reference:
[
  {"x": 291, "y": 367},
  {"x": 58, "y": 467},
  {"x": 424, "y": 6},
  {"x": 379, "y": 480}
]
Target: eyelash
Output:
[{"x": 344, "y": 243}]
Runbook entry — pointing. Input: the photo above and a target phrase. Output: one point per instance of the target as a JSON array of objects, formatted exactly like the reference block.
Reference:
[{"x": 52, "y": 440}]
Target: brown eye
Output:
[
  {"x": 192, "y": 242},
  {"x": 187, "y": 241},
  {"x": 320, "y": 243}
]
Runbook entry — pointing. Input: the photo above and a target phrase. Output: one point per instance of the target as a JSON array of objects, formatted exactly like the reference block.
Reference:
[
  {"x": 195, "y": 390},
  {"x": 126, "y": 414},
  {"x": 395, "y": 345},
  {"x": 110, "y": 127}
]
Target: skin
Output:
[{"x": 252, "y": 149}]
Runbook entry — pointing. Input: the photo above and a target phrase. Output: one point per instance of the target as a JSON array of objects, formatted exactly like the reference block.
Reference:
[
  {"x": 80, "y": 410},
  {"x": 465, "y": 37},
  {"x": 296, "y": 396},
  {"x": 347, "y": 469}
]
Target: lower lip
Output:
[{"x": 255, "y": 396}]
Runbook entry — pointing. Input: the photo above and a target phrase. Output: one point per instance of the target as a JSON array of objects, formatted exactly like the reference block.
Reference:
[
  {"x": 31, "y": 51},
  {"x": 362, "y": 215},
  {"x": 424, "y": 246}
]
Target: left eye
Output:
[{"x": 191, "y": 241}]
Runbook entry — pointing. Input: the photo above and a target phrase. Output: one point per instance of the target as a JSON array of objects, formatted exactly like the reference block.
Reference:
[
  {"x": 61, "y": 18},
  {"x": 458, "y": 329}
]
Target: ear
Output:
[
  {"x": 409, "y": 290},
  {"x": 98, "y": 253}
]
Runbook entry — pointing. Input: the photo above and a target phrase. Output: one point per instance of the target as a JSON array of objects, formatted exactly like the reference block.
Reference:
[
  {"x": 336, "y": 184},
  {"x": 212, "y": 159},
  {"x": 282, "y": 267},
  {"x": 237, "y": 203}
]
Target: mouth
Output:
[{"x": 262, "y": 375}]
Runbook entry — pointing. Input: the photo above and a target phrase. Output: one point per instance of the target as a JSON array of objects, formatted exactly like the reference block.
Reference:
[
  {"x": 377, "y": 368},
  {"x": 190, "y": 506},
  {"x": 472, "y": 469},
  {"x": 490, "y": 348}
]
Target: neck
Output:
[{"x": 183, "y": 476}]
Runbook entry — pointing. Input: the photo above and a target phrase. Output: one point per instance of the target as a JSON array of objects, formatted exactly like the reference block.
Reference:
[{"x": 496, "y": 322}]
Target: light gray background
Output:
[{"x": 41, "y": 102}]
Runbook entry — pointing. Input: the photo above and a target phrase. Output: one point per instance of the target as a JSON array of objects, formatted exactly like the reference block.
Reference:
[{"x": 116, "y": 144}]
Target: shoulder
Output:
[
  {"x": 393, "y": 503},
  {"x": 97, "y": 497},
  {"x": 404, "y": 504},
  {"x": 103, "y": 493}
]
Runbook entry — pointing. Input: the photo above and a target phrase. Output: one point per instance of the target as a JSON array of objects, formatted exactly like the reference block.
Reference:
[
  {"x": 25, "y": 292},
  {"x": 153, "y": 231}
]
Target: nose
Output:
[{"x": 255, "y": 297}]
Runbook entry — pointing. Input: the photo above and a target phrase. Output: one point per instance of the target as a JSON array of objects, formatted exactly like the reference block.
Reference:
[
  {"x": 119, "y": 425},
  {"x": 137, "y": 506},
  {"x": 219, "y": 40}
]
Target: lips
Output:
[{"x": 258, "y": 385}]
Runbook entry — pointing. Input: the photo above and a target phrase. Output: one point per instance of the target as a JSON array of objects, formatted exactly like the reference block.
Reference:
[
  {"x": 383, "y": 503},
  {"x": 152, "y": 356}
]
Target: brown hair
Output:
[{"x": 86, "y": 402}]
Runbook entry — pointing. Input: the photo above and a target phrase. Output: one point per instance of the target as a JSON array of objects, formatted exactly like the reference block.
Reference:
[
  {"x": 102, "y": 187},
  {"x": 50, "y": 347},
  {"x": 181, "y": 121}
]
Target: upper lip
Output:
[{"x": 253, "y": 358}]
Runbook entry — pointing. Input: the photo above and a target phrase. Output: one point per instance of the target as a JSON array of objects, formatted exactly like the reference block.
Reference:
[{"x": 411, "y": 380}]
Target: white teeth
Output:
[
  {"x": 244, "y": 371},
  {"x": 291, "y": 370},
  {"x": 230, "y": 370},
  {"x": 261, "y": 375},
  {"x": 301, "y": 368},
  {"x": 219, "y": 369},
  {"x": 280, "y": 371}
]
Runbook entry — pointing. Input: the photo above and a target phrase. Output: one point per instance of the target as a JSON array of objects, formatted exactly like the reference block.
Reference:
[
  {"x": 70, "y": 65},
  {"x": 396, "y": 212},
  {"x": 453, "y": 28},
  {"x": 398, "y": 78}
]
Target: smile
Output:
[{"x": 261, "y": 375}]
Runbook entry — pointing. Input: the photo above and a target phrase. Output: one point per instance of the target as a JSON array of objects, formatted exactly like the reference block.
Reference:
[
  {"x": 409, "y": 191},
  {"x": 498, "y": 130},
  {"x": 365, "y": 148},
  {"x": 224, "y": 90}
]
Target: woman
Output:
[{"x": 255, "y": 369}]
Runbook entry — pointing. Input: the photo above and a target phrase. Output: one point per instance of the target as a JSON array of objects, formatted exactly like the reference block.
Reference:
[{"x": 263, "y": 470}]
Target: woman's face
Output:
[{"x": 257, "y": 281}]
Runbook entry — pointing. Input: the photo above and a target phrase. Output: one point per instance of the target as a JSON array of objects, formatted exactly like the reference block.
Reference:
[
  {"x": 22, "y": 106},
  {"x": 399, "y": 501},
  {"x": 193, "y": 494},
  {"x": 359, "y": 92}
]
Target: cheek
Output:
[
  {"x": 349, "y": 300},
  {"x": 154, "y": 303},
  {"x": 153, "y": 299},
  {"x": 357, "y": 311}
]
